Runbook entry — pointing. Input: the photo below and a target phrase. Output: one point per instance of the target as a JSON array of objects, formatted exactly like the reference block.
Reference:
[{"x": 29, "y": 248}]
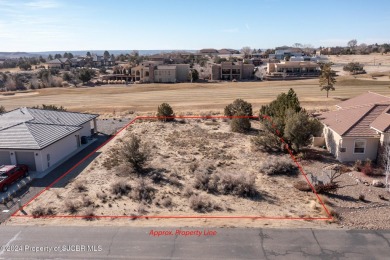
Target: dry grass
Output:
[{"x": 190, "y": 97}]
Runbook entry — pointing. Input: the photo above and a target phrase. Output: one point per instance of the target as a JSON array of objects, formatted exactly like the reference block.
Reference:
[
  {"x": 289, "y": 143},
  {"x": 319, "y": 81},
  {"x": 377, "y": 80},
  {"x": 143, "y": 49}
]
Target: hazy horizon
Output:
[{"x": 66, "y": 25}]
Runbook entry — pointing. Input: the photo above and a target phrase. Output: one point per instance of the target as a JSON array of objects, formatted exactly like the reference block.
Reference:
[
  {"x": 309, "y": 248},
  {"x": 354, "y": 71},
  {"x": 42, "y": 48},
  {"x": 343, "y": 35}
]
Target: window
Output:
[{"x": 360, "y": 146}]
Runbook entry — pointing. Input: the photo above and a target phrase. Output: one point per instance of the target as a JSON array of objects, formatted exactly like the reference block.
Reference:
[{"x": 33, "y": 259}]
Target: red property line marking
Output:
[{"x": 182, "y": 217}]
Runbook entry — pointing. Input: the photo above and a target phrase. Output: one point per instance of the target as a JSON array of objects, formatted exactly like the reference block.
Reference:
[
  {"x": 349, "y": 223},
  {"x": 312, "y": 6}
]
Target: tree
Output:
[
  {"x": 106, "y": 55},
  {"x": 67, "y": 76},
  {"x": 85, "y": 75},
  {"x": 165, "y": 112},
  {"x": 239, "y": 106},
  {"x": 240, "y": 110},
  {"x": 50, "y": 57},
  {"x": 194, "y": 75},
  {"x": 354, "y": 68},
  {"x": 246, "y": 50},
  {"x": 285, "y": 113},
  {"x": 386, "y": 164},
  {"x": 134, "y": 153},
  {"x": 327, "y": 78},
  {"x": 50, "y": 107},
  {"x": 300, "y": 128},
  {"x": 352, "y": 43},
  {"x": 57, "y": 56},
  {"x": 89, "y": 54}
]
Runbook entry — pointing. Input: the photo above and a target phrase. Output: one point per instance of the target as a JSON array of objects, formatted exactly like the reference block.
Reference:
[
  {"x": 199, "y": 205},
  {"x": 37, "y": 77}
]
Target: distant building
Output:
[
  {"x": 230, "y": 71},
  {"x": 282, "y": 54},
  {"x": 154, "y": 72},
  {"x": 208, "y": 52},
  {"x": 293, "y": 69}
]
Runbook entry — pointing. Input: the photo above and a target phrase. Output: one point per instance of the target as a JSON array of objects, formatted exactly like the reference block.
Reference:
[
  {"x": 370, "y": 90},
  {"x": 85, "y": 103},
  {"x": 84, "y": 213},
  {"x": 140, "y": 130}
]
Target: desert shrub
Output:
[
  {"x": 40, "y": 211},
  {"x": 362, "y": 197},
  {"x": 87, "y": 201},
  {"x": 72, "y": 206},
  {"x": 80, "y": 186},
  {"x": 201, "y": 203},
  {"x": 302, "y": 186},
  {"x": 120, "y": 188},
  {"x": 201, "y": 181},
  {"x": 326, "y": 188},
  {"x": 239, "y": 106},
  {"x": 239, "y": 184},
  {"x": 188, "y": 191},
  {"x": 279, "y": 166},
  {"x": 267, "y": 142},
  {"x": 165, "y": 112},
  {"x": 357, "y": 165},
  {"x": 143, "y": 191},
  {"x": 240, "y": 124},
  {"x": 135, "y": 153},
  {"x": 113, "y": 158},
  {"x": 174, "y": 181},
  {"x": 166, "y": 202},
  {"x": 89, "y": 214},
  {"x": 102, "y": 196}
]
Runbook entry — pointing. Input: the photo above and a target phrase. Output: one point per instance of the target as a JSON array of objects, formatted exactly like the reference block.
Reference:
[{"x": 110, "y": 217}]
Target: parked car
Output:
[{"x": 11, "y": 173}]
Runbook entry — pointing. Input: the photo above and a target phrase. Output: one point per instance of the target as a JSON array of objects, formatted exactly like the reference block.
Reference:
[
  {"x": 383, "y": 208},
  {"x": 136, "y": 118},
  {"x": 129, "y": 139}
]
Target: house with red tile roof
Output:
[{"x": 358, "y": 128}]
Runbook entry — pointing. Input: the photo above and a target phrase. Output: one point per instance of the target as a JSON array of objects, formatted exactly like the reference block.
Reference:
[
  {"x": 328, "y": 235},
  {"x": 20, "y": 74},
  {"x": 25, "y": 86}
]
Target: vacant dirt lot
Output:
[{"x": 181, "y": 152}]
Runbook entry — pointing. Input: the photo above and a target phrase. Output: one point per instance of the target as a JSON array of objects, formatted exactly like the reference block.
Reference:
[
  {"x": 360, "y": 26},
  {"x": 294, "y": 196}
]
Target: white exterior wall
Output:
[
  {"x": 86, "y": 129},
  {"x": 59, "y": 150}
]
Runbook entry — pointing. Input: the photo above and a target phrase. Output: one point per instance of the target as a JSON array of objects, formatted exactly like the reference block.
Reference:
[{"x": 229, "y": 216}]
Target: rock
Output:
[
  {"x": 366, "y": 183},
  {"x": 378, "y": 183}
]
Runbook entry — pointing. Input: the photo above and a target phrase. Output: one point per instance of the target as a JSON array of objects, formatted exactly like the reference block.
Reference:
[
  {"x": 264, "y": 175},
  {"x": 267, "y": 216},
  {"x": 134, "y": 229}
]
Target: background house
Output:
[
  {"x": 42, "y": 138},
  {"x": 358, "y": 128}
]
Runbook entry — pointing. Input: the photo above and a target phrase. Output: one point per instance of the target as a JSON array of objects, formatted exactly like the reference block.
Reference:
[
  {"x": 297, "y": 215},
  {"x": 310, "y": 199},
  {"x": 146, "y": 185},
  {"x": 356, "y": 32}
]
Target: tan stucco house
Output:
[
  {"x": 42, "y": 138},
  {"x": 358, "y": 128}
]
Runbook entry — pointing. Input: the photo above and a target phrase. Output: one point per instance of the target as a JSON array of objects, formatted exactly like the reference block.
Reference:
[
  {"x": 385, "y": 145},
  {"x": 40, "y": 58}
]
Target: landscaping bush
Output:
[
  {"x": 279, "y": 166},
  {"x": 165, "y": 110},
  {"x": 357, "y": 166},
  {"x": 120, "y": 188},
  {"x": 367, "y": 168}
]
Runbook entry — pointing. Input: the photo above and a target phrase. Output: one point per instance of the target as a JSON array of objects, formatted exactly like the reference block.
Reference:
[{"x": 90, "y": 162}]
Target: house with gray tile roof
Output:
[
  {"x": 41, "y": 138},
  {"x": 358, "y": 128}
]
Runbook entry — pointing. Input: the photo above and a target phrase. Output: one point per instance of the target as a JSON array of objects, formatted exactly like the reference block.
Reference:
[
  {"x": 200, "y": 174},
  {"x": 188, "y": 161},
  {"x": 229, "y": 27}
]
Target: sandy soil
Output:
[{"x": 177, "y": 147}]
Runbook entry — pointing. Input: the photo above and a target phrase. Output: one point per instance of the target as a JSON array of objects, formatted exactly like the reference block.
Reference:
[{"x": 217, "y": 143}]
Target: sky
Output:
[{"x": 64, "y": 25}]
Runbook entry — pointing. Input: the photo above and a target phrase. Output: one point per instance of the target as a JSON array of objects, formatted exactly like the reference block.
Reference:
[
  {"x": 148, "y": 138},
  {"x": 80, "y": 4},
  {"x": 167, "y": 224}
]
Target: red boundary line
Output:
[{"x": 183, "y": 217}]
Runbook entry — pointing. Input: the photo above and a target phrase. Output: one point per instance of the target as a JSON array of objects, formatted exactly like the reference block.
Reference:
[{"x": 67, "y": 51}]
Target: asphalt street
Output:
[{"x": 190, "y": 243}]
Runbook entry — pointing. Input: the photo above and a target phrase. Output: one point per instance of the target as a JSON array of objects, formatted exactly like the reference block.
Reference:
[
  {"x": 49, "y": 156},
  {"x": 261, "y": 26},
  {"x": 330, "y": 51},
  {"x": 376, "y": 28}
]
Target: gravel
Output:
[{"x": 112, "y": 125}]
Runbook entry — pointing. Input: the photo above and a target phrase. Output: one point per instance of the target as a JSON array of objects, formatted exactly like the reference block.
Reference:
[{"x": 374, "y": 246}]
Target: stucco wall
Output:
[
  {"x": 86, "y": 129},
  {"x": 349, "y": 143},
  {"x": 59, "y": 150}
]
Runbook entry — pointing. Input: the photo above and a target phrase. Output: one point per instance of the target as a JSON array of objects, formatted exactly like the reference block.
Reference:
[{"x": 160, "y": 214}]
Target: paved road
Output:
[
  {"x": 137, "y": 243},
  {"x": 27, "y": 193}
]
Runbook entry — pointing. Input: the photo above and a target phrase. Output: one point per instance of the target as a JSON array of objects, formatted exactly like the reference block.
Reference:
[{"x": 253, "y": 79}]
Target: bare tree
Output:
[
  {"x": 386, "y": 164},
  {"x": 246, "y": 50},
  {"x": 352, "y": 43}
]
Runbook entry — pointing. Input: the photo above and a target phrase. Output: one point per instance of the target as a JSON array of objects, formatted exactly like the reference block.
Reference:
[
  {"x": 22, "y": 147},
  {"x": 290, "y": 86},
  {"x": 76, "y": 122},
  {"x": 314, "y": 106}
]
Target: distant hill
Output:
[{"x": 15, "y": 55}]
